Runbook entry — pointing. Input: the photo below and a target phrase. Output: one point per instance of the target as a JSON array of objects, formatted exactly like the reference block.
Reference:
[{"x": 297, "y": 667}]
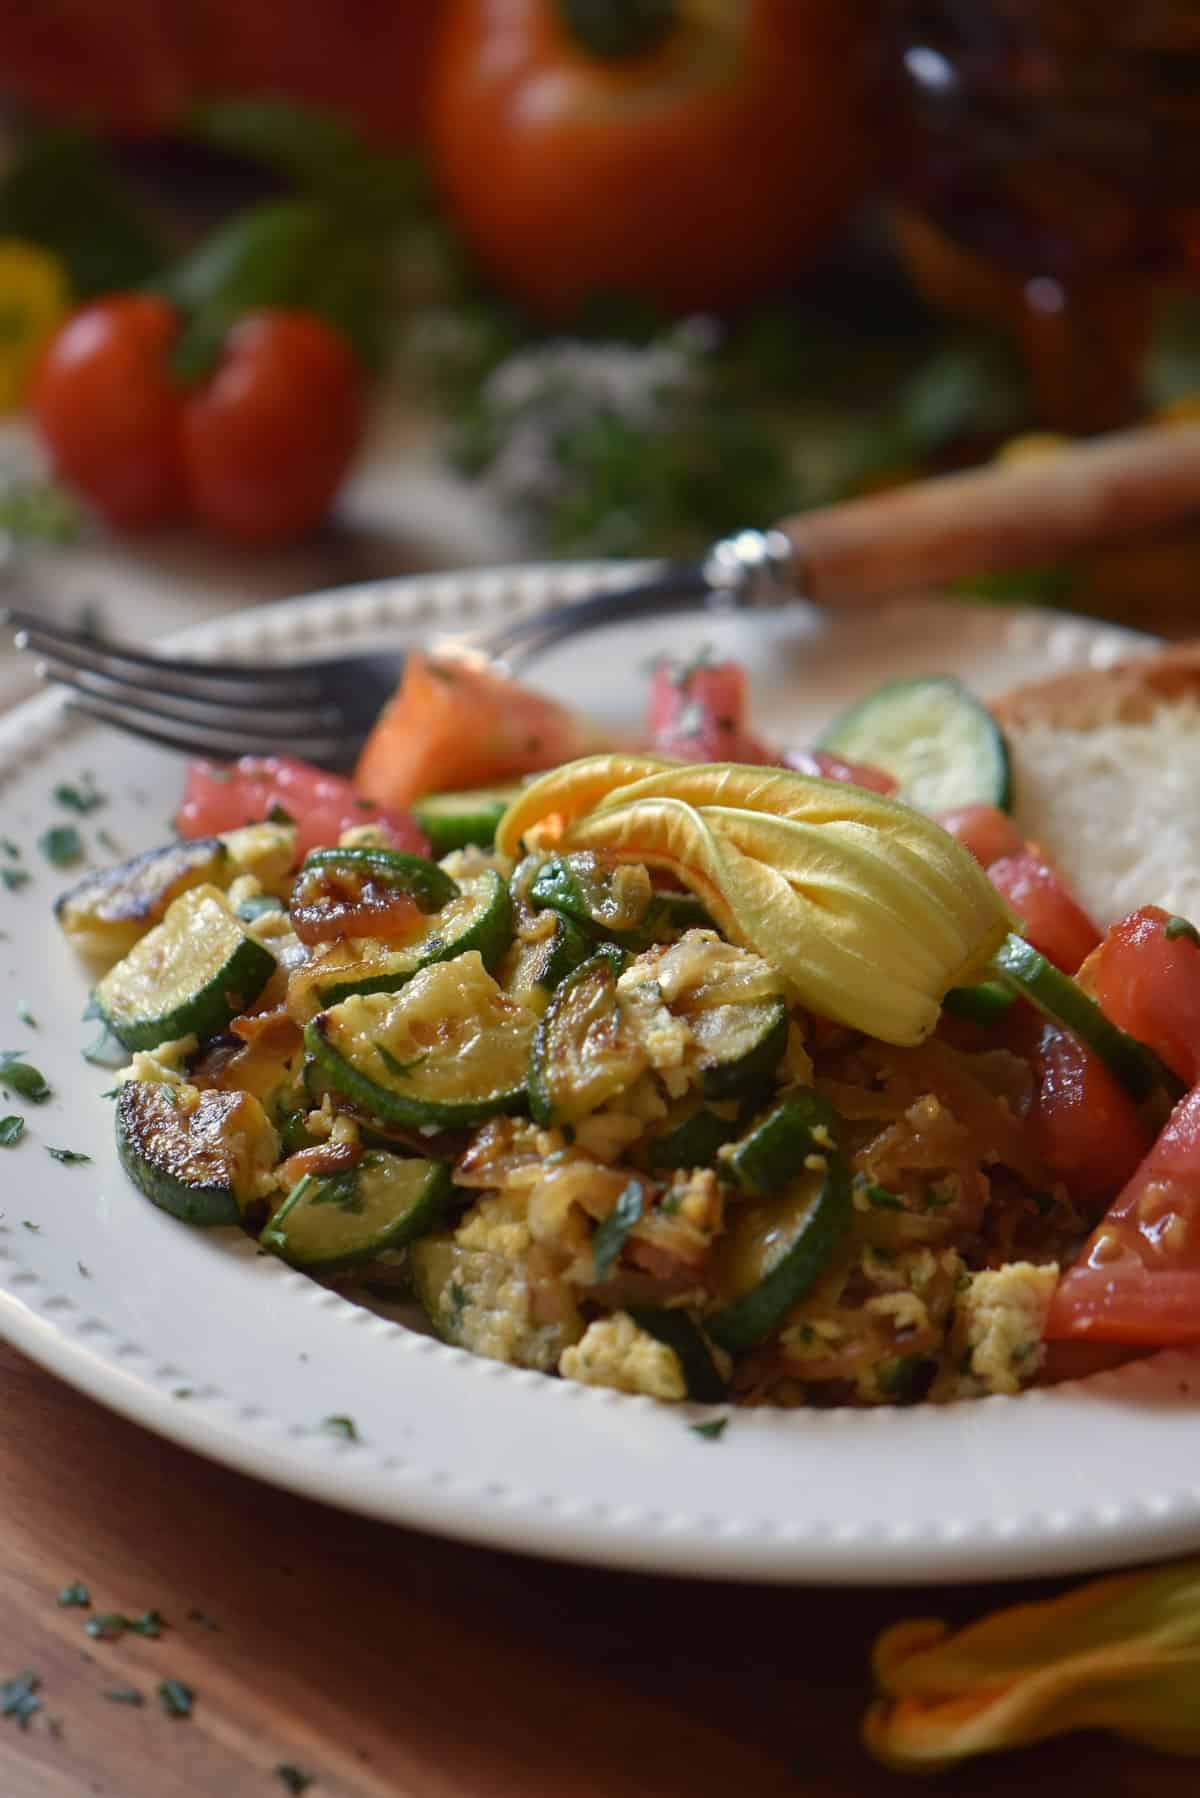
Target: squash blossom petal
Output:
[
  {"x": 867, "y": 908},
  {"x": 1121, "y": 1654},
  {"x": 34, "y": 299}
]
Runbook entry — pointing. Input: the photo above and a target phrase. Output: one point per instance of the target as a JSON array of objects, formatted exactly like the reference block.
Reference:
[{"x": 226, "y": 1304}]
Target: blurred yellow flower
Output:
[
  {"x": 34, "y": 300},
  {"x": 1121, "y": 1654}
]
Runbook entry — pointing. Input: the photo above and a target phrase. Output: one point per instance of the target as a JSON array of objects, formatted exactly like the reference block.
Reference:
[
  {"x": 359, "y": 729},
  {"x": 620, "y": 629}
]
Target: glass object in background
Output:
[{"x": 1050, "y": 158}]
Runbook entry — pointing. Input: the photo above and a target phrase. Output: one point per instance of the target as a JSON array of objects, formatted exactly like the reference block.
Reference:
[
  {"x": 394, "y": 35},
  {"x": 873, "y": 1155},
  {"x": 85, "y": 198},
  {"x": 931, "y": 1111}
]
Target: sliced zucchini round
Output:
[
  {"x": 606, "y": 896},
  {"x": 704, "y": 1383},
  {"x": 479, "y": 917},
  {"x": 934, "y": 737},
  {"x": 775, "y": 1251},
  {"x": 343, "y": 1220},
  {"x": 424, "y": 882},
  {"x": 456, "y": 820},
  {"x": 583, "y": 1053},
  {"x": 773, "y": 1150},
  {"x": 448, "y": 1049},
  {"x": 189, "y": 975},
  {"x": 535, "y": 968},
  {"x": 198, "y": 1155},
  {"x": 481, "y": 1302},
  {"x": 1025, "y": 971},
  {"x": 741, "y": 1045},
  {"x": 692, "y": 1135},
  {"x": 108, "y": 911}
]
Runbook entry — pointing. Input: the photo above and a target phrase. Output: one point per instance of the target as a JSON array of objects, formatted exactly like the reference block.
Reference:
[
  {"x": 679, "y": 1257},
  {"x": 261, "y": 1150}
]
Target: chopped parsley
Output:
[
  {"x": 123, "y": 1695},
  {"x": 12, "y": 1128},
  {"x": 712, "y": 1431},
  {"x": 68, "y": 1157},
  {"x": 880, "y": 1198},
  {"x": 196, "y": 1615},
  {"x": 17, "y": 1698},
  {"x": 26, "y": 1016},
  {"x": 183, "y": 1392},
  {"x": 75, "y": 1594},
  {"x": 107, "y": 841},
  {"x": 85, "y": 1271},
  {"x": 608, "y": 1239},
  {"x": 1179, "y": 927},
  {"x": 80, "y": 799},
  {"x": 14, "y": 878},
  {"x": 112, "y": 1625},
  {"x": 292, "y": 1779},
  {"x": 21, "y": 1077},
  {"x": 26, "y": 1225},
  {"x": 456, "y": 1292},
  {"x": 345, "y": 1427},
  {"x": 279, "y": 814},
  {"x": 10, "y": 848},
  {"x": 175, "y": 1698},
  {"x": 62, "y": 845}
]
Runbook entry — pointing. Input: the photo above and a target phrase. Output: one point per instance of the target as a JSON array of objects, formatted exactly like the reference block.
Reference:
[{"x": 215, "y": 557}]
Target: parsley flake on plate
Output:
[
  {"x": 292, "y": 1779},
  {"x": 14, "y": 878},
  {"x": 75, "y": 1594},
  {"x": 175, "y": 1698},
  {"x": 61, "y": 845},
  {"x": 12, "y": 1128},
  {"x": 25, "y": 1015},
  {"x": 80, "y": 799},
  {"x": 712, "y": 1431},
  {"x": 68, "y": 1157},
  {"x": 345, "y": 1427},
  {"x": 123, "y": 1695},
  {"x": 17, "y": 1698},
  {"x": 21, "y": 1077}
]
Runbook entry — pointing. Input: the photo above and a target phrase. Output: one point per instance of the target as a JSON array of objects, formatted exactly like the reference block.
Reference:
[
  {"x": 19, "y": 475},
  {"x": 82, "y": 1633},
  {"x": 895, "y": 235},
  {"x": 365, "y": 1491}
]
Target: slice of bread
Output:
[{"x": 1106, "y": 769}]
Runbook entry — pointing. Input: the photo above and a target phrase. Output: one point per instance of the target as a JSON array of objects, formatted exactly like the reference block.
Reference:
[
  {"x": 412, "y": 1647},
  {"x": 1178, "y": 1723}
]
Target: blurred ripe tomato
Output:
[
  {"x": 134, "y": 66},
  {"x": 692, "y": 157}
]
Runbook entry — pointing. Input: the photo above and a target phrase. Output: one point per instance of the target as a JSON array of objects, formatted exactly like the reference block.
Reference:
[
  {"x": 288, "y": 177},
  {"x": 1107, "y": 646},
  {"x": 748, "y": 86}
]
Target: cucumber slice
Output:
[
  {"x": 583, "y": 1053},
  {"x": 188, "y": 976},
  {"x": 106, "y": 914},
  {"x": 386, "y": 1202},
  {"x": 984, "y": 1003},
  {"x": 198, "y": 1155},
  {"x": 775, "y": 1251},
  {"x": 1026, "y": 972},
  {"x": 456, "y": 820},
  {"x": 741, "y": 1045},
  {"x": 934, "y": 738},
  {"x": 448, "y": 1049},
  {"x": 605, "y": 896},
  {"x": 430, "y": 886},
  {"x": 479, "y": 917},
  {"x": 773, "y": 1151},
  {"x": 481, "y": 1302},
  {"x": 704, "y": 1383},
  {"x": 692, "y": 1136},
  {"x": 535, "y": 968}
]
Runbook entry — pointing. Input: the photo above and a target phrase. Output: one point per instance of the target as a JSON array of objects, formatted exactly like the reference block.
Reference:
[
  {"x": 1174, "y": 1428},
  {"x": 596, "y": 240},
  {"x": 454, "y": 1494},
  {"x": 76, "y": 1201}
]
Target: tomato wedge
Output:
[
  {"x": 1051, "y": 919},
  {"x": 985, "y": 830},
  {"x": 1086, "y": 1128},
  {"x": 223, "y": 796},
  {"x": 1146, "y": 976},
  {"x": 1138, "y": 1279}
]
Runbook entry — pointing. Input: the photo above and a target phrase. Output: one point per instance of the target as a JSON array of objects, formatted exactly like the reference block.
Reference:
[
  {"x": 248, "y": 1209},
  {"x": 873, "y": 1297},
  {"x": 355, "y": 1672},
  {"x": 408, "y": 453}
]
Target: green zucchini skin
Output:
[
  {"x": 328, "y": 1225},
  {"x": 178, "y": 1157},
  {"x": 580, "y": 1057},
  {"x": 459, "y": 820},
  {"x": 693, "y": 1142},
  {"x": 179, "y": 955},
  {"x": 773, "y": 1150},
  {"x": 1021, "y": 968},
  {"x": 428, "y": 885},
  {"x": 538, "y": 968},
  {"x": 478, "y": 1301},
  {"x": 985, "y": 1003},
  {"x": 486, "y": 926},
  {"x": 605, "y": 899},
  {"x": 812, "y": 1218},
  {"x": 934, "y": 737},
  {"x": 730, "y": 1075},
  {"x": 704, "y": 1382}
]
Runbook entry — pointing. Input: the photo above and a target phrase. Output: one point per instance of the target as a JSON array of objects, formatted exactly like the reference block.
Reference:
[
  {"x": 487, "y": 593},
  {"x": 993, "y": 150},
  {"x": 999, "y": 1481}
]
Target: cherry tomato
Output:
[
  {"x": 1051, "y": 920},
  {"x": 220, "y": 796},
  {"x": 985, "y": 830},
  {"x": 1138, "y": 1279},
  {"x": 269, "y": 435},
  {"x": 836, "y": 767},
  {"x": 1086, "y": 1128},
  {"x": 693, "y": 158},
  {"x": 108, "y": 411},
  {"x": 1149, "y": 984}
]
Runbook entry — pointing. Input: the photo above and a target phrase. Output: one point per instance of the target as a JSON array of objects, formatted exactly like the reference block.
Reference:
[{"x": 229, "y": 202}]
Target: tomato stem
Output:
[{"x": 618, "y": 30}]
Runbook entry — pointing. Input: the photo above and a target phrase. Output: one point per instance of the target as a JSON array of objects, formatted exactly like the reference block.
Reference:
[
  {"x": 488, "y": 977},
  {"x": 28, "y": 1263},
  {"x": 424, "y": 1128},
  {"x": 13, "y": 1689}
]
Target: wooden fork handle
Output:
[{"x": 1019, "y": 514}]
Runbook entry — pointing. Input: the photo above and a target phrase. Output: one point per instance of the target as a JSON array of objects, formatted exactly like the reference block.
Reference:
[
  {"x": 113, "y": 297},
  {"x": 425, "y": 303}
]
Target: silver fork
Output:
[{"x": 324, "y": 707}]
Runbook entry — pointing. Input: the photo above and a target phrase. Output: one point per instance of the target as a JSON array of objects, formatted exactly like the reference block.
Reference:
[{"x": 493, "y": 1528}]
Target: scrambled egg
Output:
[
  {"x": 615, "y": 1352},
  {"x": 998, "y": 1327}
]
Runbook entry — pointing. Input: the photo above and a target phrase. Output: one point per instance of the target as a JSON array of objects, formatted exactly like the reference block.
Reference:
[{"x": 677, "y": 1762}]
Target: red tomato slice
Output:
[
  {"x": 1149, "y": 984},
  {"x": 1138, "y": 1279},
  {"x": 696, "y": 714},
  {"x": 985, "y": 830},
  {"x": 223, "y": 796},
  {"x": 452, "y": 726},
  {"x": 835, "y": 767},
  {"x": 1086, "y": 1128},
  {"x": 1051, "y": 920}
]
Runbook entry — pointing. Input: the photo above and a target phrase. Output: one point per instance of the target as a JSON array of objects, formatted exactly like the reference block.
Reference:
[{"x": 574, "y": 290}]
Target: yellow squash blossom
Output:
[
  {"x": 34, "y": 300},
  {"x": 1121, "y": 1654}
]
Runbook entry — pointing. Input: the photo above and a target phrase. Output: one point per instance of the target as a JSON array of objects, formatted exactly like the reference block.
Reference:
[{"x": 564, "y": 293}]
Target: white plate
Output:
[{"x": 198, "y": 1337}]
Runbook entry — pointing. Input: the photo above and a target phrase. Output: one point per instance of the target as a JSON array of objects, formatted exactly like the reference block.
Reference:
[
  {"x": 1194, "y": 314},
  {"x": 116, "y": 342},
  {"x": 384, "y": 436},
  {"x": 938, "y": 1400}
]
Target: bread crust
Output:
[{"x": 1130, "y": 692}]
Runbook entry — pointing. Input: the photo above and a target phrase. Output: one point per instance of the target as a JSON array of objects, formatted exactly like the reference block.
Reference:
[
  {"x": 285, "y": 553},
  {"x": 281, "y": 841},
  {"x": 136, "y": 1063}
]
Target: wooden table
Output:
[{"x": 393, "y": 1665}]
